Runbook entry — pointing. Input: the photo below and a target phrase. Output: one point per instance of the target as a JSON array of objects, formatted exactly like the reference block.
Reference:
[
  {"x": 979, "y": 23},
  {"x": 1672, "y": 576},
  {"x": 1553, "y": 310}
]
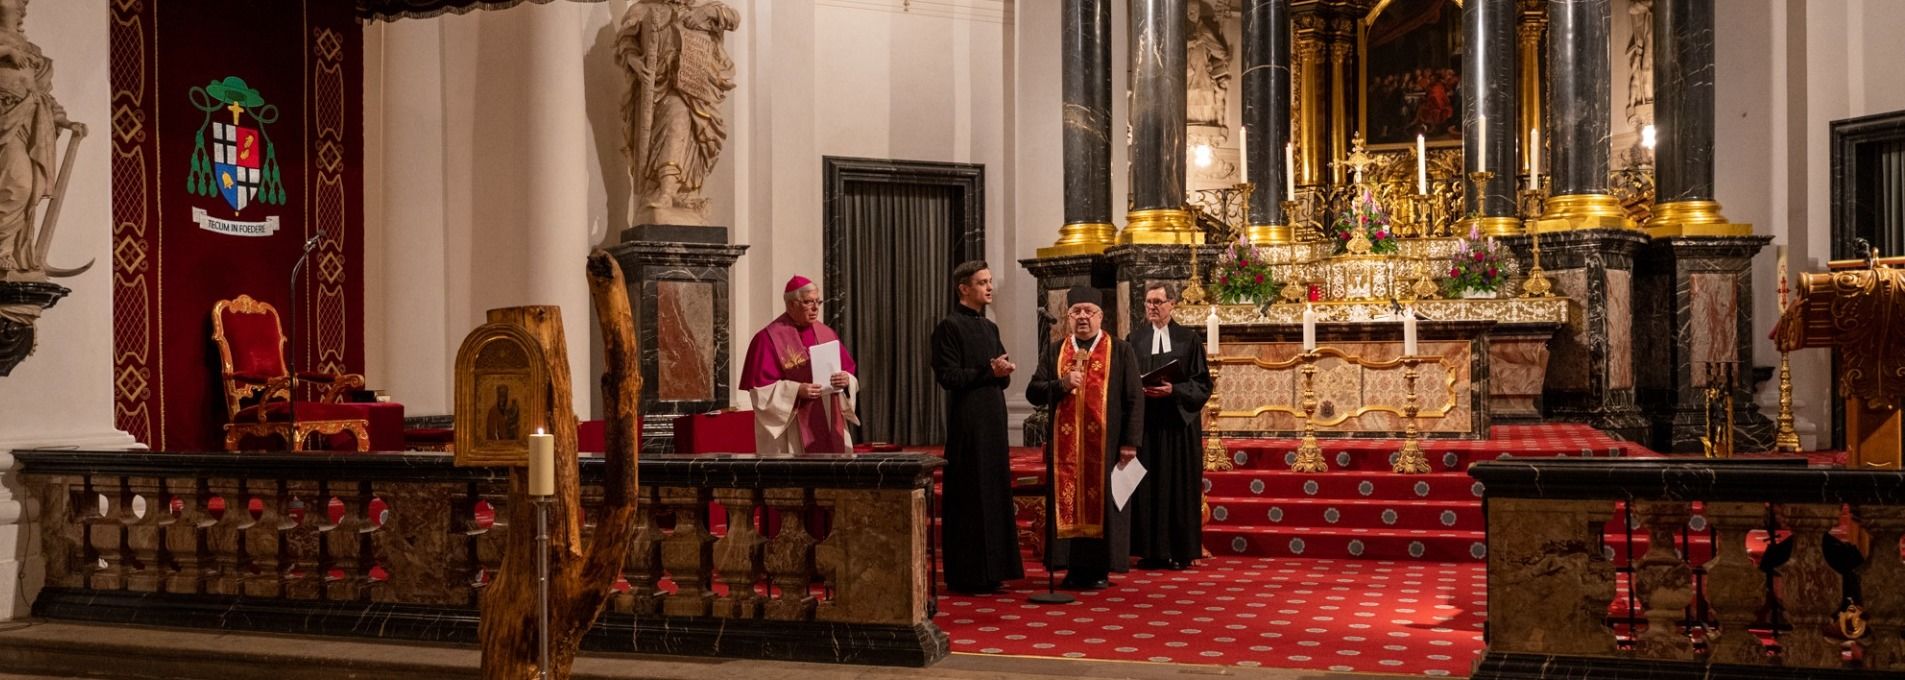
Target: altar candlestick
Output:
[
  {"x": 1409, "y": 331},
  {"x": 1289, "y": 171},
  {"x": 1210, "y": 331},
  {"x": 1534, "y": 158},
  {"x": 1309, "y": 328},
  {"x": 542, "y": 464},
  {"x": 1243, "y": 152},
  {"x": 1422, "y": 166},
  {"x": 1481, "y": 143}
]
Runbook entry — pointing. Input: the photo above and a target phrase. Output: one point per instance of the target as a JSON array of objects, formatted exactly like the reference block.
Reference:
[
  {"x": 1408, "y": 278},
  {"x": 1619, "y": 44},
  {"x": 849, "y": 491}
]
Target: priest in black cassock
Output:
[
  {"x": 1167, "y": 509},
  {"x": 1090, "y": 381},
  {"x": 977, "y": 524}
]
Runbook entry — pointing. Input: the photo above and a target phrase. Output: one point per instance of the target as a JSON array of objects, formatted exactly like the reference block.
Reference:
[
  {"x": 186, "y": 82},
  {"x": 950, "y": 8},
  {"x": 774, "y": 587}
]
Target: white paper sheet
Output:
[
  {"x": 826, "y": 362},
  {"x": 1124, "y": 480}
]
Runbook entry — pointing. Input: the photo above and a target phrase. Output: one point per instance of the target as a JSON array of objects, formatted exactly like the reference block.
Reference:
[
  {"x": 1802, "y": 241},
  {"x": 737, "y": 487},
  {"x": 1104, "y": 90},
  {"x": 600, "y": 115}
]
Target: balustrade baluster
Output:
[
  {"x": 107, "y": 531},
  {"x": 1882, "y": 585},
  {"x": 264, "y": 538},
  {"x": 224, "y": 539},
  {"x": 414, "y": 545},
  {"x": 1735, "y": 588},
  {"x": 185, "y": 537},
  {"x": 63, "y": 523},
  {"x": 643, "y": 567},
  {"x": 490, "y": 540},
  {"x": 737, "y": 556},
  {"x": 687, "y": 553},
  {"x": 347, "y": 543},
  {"x": 145, "y": 566},
  {"x": 304, "y": 540},
  {"x": 788, "y": 557},
  {"x": 1549, "y": 584},
  {"x": 1808, "y": 587},
  {"x": 1663, "y": 580}
]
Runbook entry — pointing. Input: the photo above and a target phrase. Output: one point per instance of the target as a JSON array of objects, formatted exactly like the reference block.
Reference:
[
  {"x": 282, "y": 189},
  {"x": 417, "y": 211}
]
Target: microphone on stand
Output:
[{"x": 291, "y": 407}]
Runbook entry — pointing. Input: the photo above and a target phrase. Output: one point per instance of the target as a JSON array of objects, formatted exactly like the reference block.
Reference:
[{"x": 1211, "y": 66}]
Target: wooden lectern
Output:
[{"x": 1858, "y": 309}]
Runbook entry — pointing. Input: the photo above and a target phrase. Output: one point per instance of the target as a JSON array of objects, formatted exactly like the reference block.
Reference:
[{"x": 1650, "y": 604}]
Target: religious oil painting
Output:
[
  {"x": 501, "y": 382},
  {"x": 1414, "y": 73}
]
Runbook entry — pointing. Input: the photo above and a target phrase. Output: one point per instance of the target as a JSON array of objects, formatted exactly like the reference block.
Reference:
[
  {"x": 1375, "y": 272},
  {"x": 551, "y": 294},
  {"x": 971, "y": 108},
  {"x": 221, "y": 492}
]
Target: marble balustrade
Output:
[
  {"x": 1660, "y": 569},
  {"x": 774, "y": 558}
]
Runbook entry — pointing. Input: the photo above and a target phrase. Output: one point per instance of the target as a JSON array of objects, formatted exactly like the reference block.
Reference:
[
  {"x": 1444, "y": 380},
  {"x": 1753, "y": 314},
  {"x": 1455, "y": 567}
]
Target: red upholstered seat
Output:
[
  {"x": 279, "y": 411},
  {"x": 257, "y": 383}
]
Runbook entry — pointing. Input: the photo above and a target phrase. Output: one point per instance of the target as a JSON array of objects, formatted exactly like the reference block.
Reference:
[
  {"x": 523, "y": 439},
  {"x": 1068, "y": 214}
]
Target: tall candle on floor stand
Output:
[
  {"x": 1309, "y": 328},
  {"x": 1289, "y": 171},
  {"x": 1409, "y": 332},
  {"x": 542, "y": 464},
  {"x": 1210, "y": 332}
]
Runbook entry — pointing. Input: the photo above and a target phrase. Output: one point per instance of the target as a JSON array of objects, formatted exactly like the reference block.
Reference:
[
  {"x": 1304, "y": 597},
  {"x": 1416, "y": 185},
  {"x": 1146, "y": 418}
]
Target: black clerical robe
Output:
[
  {"x": 1090, "y": 559},
  {"x": 979, "y": 533},
  {"x": 1167, "y": 510}
]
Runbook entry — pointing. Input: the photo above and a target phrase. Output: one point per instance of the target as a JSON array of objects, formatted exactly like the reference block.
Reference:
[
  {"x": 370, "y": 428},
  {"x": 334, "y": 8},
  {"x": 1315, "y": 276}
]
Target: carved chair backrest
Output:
[{"x": 250, "y": 343}]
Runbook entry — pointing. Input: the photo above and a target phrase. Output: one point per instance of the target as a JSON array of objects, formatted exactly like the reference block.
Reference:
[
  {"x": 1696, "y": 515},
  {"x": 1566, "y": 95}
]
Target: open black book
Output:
[{"x": 1170, "y": 372}]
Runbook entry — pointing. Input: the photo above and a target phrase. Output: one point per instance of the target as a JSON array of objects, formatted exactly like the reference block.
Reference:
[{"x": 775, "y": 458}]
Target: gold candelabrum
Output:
[
  {"x": 1309, "y": 455},
  {"x": 1409, "y": 460},
  {"x": 1478, "y": 184},
  {"x": 1717, "y": 440},
  {"x": 1300, "y": 214},
  {"x": 1785, "y": 438},
  {"x": 1215, "y": 457},
  {"x": 1532, "y": 204}
]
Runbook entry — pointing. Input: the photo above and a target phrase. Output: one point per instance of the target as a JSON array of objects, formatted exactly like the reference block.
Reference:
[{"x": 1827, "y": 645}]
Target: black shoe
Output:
[
  {"x": 989, "y": 589},
  {"x": 1099, "y": 584},
  {"x": 1179, "y": 566},
  {"x": 1148, "y": 563}
]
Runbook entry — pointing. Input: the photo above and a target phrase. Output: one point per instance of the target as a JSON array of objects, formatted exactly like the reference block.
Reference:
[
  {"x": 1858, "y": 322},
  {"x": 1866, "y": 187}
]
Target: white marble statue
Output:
[
  {"x": 30, "y": 123},
  {"x": 678, "y": 74},
  {"x": 1640, "y": 63},
  {"x": 1207, "y": 76}
]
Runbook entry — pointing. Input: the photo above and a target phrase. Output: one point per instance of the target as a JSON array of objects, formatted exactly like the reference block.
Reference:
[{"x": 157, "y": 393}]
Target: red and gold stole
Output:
[{"x": 1078, "y": 442}]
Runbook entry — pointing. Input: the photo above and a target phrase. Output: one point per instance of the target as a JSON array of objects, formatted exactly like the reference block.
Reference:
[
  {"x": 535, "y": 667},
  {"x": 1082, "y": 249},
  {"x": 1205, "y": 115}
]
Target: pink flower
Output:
[
  {"x": 1455, "y": 272},
  {"x": 1259, "y": 278},
  {"x": 1241, "y": 262},
  {"x": 1381, "y": 234},
  {"x": 1478, "y": 256},
  {"x": 1492, "y": 273}
]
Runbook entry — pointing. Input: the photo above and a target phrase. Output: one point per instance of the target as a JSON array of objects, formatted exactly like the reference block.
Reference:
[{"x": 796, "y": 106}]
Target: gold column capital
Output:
[
  {"x": 1692, "y": 218},
  {"x": 1160, "y": 226}
]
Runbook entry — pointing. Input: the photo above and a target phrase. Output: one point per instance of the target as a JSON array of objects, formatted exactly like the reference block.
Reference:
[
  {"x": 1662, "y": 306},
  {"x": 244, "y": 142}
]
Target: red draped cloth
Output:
[
  {"x": 779, "y": 352},
  {"x": 1078, "y": 442}
]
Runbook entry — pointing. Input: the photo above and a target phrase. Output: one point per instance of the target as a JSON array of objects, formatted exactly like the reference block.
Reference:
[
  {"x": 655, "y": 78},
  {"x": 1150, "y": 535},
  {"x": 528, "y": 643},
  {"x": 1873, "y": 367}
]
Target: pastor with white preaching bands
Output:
[
  {"x": 794, "y": 410},
  {"x": 1091, "y": 382},
  {"x": 1167, "y": 507}
]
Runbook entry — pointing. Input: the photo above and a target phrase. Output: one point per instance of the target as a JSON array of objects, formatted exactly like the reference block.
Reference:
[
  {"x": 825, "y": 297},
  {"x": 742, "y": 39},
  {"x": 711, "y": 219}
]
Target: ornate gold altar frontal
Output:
[{"x": 1359, "y": 388}]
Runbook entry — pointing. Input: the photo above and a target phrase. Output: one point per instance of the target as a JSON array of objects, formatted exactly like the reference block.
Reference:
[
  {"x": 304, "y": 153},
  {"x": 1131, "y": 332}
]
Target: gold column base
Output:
[
  {"x": 1161, "y": 226},
  {"x": 1692, "y": 218},
  {"x": 1269, "y": 234},
  {"x": 1082, "y": 238},
  {"x": 1584, "y": 211},
  {"x": 1494, "y": 226}
]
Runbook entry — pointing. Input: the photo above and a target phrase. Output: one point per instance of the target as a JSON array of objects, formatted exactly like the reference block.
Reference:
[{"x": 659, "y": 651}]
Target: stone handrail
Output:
[
  {"x": 830, "y": 563},
  {"x": 1705, "y": 603}
]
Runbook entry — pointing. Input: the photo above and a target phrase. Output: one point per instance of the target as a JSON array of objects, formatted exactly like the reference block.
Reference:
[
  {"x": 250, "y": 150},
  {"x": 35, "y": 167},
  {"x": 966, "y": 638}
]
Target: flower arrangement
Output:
[
  {"x": 1476, "y": 267},
  {"x": 1242, "y": 275},
  {"x": 1366, "y": 218}
]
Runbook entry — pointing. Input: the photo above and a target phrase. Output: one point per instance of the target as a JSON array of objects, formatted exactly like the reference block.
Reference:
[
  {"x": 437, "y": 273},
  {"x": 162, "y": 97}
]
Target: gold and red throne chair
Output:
[{"x": 258, "y": 387}]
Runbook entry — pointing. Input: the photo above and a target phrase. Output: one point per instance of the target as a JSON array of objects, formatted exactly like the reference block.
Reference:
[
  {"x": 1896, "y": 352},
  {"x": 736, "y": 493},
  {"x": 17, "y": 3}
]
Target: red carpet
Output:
[{"x": 1339, "y": 615}]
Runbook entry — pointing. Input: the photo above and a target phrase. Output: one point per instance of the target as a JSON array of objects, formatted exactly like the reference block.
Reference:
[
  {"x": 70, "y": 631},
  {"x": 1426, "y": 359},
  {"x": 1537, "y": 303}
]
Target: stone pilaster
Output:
[
  {"x": 1693, "y": 306},
  {"x": 678, "y": 281}
]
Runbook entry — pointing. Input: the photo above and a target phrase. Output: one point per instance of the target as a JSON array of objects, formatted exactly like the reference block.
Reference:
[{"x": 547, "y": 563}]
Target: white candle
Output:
[
  {"x": 1422, "y": 166},
  {"x": 542, "y": 464},
  {"x": 1534, "y": 157},
  {"x": 1481, "y": 143},
  {"x": 1289, "y": 171},
  {"x": 1309, "y": 328},
  {"x": 1409, "y": 331},
  {"x": 1210, "y": 332},
  {"x": 1243, "y": 152}
]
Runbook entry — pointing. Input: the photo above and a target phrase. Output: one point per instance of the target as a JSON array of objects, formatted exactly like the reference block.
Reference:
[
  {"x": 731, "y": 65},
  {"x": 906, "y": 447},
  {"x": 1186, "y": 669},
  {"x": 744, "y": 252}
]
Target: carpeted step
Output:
[
  {"x": 1377, "y": 455},
  {"x": 1443, "y": 486},
  {"x": 1341, "y": 543},
  {"x": 1348, "y": 513}
]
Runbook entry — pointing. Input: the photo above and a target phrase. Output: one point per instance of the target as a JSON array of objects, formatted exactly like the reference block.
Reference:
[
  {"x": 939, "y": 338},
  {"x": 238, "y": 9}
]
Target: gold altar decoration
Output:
[
  {"x": 1306, "y": 363},
  {"x": 1409, "y": 460},
  {"x": 1529, "y": 205},
  {"x": 1309, "y": 454},
  {"x": 1716, "y": 440},
  {"x": 1854, "y": 309},
  {"x": 1584, "y": 211},
  {"x": 1228, "y": 208},
  {"x": 1692, "y": 218},
  {"x": 1215, "y": 457},
  {"x": 1082, "y": 238},
  {"x": 1507, "y": 310},
  {"x": 1166, "y": 226},
  {"x": 1633, "y": 186},
  {"x": 1786, "y": 437}
]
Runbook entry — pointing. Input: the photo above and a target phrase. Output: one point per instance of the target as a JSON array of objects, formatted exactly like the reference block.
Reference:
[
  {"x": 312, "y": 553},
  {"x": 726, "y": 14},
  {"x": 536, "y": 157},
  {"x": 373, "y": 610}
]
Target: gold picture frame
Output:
[{"x": 502, "y": 396}]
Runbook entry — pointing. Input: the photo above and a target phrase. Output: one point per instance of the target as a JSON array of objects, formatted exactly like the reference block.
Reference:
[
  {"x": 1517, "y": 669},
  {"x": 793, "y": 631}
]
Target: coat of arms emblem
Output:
[{"x": 242, "y": 166}]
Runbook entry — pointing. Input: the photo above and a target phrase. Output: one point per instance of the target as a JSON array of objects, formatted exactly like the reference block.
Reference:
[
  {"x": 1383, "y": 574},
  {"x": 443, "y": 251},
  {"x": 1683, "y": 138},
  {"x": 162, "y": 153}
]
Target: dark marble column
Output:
[
  {"x": 1683, "y": 100},
  {"x": 1055, "y": 276},
  {"x": 1267, "y": 112},
  {"x": 1086, "y": 82},
  {"x": 1578, "y": 102},
  {"x": 678, "y": 280},
  {"x": 1683, "y": 114},
  {"x": 1693, "y": 306},
  {"x": 1489, "y": 92},
  {"x": 1158, "y": 115},
  {"x": 1591, "y": 369}
]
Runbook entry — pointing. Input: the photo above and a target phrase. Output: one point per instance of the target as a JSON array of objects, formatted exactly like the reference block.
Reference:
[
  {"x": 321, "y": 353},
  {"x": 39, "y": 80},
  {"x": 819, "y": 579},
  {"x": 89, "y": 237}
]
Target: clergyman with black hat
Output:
[{"x": 1091, "y": 382}]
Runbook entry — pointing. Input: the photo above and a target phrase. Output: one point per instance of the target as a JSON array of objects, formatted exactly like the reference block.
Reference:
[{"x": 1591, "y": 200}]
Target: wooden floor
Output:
[{"x": 65, "y": 650}]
